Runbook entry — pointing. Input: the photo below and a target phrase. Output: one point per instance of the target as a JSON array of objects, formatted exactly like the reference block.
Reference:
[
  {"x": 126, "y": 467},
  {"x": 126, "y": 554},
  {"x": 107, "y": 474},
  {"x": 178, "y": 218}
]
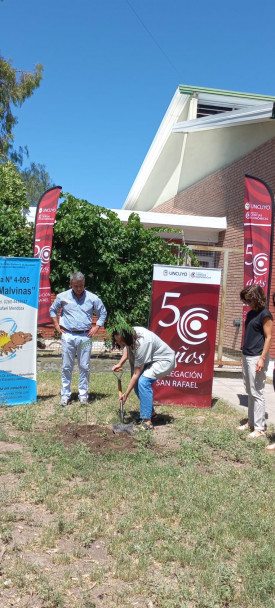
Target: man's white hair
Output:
[{"x": 77, "y": 276}]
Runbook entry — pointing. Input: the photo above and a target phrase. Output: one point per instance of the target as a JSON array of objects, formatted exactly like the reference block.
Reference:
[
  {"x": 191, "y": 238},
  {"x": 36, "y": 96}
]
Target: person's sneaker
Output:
[
  {"x": 144, "y": 426},
  {"x": 64, "y": 401},
  {"x": 83, "y": 400},
  {"x": 256, "y": 435},
  {"x": 244, "y": 427}
]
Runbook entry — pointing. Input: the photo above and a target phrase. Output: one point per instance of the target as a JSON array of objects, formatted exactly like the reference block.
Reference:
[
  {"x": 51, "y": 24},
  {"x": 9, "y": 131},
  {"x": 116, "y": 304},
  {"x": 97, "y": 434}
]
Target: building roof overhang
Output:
[
  {"x": 227, "y": 119},
  {"x": 194, "y": 227},
  {"x": 186, "y": 89},
  {"x": 180, "y": 120}
]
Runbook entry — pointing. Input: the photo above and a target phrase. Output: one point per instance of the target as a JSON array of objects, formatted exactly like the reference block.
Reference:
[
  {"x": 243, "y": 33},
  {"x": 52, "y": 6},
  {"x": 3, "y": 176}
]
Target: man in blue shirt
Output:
[{"x": 75, "y": 326}]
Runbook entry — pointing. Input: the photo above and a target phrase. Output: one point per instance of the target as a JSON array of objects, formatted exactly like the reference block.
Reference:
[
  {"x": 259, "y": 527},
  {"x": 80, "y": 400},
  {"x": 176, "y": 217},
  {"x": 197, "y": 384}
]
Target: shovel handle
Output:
[{"x": 121, "y": 407}]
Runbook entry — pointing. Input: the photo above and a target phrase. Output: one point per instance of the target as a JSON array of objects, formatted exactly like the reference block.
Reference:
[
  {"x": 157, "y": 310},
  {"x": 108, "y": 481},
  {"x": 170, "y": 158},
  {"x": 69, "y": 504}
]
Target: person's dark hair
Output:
[
  {"x": 255, "y": 294},
  {"x": 273, "y": 298},
  {"x": 129, "y": 338}
]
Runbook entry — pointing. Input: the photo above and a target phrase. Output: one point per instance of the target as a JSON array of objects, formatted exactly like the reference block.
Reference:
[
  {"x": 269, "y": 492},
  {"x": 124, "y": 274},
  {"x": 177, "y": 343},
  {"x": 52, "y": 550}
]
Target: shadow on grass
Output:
[
  {"x": 158, "y": 420},
  {"x": 243, "y": 421},
  {"x": 214, "y": 401},
  {"x": 45, "y": 397},
  {"x": 93, "y": 396},
  {"x": 163, "y": 419}
]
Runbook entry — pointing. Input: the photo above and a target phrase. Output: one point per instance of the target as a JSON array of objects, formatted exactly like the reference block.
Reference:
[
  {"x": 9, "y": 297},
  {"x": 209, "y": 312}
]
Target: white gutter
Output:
[
  {"x": 226, "y": 119},
  {"x": 174, "y": 220}
]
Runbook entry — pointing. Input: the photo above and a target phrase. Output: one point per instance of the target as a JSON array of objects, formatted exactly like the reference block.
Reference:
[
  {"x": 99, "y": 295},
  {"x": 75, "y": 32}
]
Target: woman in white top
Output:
[{"x": 150, "y": 358}]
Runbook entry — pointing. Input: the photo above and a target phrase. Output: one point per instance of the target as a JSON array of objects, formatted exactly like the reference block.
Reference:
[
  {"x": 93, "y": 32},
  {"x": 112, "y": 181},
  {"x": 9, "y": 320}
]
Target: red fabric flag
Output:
[
  {"x": 258, "y": 235},
  {"x": 43, "y": 235}
]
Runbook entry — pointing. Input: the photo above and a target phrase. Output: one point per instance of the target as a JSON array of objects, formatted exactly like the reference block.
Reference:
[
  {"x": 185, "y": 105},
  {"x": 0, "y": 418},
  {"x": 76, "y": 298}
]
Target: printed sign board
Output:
[
  {"x": 184, "y": 314},
  {"x": 19, "y": 288}
]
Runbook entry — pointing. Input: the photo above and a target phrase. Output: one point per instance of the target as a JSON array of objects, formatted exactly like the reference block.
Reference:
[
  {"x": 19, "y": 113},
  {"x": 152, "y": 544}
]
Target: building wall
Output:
[
  {"x": 219, "y": 194},
  {"x": 225, "y": 144}
]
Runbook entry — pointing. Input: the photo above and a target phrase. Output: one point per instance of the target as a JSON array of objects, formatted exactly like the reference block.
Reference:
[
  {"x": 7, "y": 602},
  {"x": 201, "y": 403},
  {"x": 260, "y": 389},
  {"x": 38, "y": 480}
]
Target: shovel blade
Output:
[{"x": 123, "y": 428}]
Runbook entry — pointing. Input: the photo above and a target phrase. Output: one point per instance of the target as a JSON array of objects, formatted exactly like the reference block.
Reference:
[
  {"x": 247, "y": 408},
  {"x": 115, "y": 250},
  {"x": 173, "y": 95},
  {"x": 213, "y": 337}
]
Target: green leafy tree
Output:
[
  {"x": 37, "y": 181},
  {"x": 15, "y": 234},
  {"x": 15, "y": 87},
  {"x": 117, "y": 260}
]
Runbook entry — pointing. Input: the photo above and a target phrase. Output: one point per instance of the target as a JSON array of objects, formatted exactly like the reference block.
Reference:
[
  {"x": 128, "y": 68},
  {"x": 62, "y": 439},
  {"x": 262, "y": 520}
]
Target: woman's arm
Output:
[
  {"x": 118, "y": 366},
  {"x": 267, "y": 327},
  {"x": 133, "y": 381}
]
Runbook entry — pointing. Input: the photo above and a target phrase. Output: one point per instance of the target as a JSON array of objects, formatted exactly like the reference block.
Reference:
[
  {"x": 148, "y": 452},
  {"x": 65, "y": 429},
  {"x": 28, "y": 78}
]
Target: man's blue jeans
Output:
[{"x": 144, "y": 391}]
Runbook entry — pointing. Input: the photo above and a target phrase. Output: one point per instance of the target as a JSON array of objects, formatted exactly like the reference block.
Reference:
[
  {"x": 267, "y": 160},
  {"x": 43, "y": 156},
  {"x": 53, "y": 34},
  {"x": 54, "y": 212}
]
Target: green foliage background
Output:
[
  {"x": 117, "y": 260},
  {"x": 15, "y": 235},
  {"x": 15, "y": 87},
  {"x": 37, "y": 180}
]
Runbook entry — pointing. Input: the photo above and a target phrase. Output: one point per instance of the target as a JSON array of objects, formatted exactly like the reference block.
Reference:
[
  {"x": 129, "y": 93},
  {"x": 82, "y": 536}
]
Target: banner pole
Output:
[{"x": 222, "y": 310}]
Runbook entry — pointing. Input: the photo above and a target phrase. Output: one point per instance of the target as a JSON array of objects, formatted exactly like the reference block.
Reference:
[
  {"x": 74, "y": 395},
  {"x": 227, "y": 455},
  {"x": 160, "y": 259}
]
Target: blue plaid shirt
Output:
[{"x": 77, "y": 314}]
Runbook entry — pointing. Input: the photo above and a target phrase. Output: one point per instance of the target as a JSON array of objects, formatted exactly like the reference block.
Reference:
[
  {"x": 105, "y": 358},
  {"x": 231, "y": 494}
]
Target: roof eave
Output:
[
  {"x": 175, "y": 220},
  {"x": 190, "y": 90}
]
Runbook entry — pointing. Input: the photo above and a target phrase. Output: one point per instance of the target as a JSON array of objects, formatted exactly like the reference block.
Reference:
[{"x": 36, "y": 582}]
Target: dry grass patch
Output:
[{"x": 179, "y": 518}]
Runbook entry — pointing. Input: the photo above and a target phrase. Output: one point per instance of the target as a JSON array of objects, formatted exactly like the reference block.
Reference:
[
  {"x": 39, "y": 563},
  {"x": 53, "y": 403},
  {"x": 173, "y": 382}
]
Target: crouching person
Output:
[{"x": 150, "y": 359}]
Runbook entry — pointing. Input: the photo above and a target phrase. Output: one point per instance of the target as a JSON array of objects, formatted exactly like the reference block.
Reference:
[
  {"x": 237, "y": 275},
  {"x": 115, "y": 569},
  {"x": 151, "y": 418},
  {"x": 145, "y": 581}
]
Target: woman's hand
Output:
[
  {"x": 260, "y": 364},
  {"x": 123, "y": 398},
  {"x": 117, "y": 368},
  {"x": 267, "y": 327}
]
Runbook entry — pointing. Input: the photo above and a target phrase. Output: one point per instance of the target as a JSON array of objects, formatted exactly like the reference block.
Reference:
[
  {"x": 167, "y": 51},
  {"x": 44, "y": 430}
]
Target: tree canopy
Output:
[
  {"x": 15, "y": 87},
  {"x": 37, "y": 180},
  {"x": 117, "y": 260},
  {"x": 15, "y": 234}
]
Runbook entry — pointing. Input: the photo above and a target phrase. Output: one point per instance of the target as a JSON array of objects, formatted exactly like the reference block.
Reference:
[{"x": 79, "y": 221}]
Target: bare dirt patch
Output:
[
  {"x": 166, "y": 438},
  {"x": 6, "y": 446},
  {"x": 99, "y": 439},
  {"x": 8, "y": 481}
]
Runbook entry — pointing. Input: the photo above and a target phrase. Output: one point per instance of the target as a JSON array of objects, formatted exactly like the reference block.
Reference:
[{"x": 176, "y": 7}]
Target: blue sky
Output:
[{"x": 111, "y": 68}]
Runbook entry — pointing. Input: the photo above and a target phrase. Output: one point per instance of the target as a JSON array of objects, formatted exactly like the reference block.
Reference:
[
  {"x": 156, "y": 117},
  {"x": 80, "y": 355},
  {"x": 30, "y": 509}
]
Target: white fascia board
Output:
[
  {"x": 172, "y": 114},
  {"x": 201, "y": 236},
  {"x": 175, "y": 220},
  {"x": 226, "y": 119},
  {"x": 230, "y": 100}
]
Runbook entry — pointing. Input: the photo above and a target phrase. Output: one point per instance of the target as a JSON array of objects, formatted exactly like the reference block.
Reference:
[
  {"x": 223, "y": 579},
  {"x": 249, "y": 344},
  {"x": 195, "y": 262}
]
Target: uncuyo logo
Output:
[
  {"x": 43, "y": 254},
  {"x": 259, "y": 263},
  {"x": 189, "y": 326}
]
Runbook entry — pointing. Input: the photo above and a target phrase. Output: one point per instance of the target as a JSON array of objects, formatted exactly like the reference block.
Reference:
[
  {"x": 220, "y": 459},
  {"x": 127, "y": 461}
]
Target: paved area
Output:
[{"x": 231, "y": 389}]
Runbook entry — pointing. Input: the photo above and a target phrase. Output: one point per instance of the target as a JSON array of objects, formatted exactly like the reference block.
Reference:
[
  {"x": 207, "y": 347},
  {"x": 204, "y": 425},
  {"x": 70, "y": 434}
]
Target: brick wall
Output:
[{"x": 220, "y": 194}]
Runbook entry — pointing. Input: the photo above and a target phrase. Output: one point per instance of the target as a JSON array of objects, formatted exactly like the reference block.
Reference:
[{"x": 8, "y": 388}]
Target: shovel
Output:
[
  {"x": 121, "y": 428},
  {"x": 118, "y": 376}
]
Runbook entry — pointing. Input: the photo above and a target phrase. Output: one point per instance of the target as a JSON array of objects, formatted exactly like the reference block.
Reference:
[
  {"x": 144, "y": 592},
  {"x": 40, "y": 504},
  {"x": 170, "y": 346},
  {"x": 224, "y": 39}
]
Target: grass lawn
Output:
[{"x": 179, "y": 518}]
